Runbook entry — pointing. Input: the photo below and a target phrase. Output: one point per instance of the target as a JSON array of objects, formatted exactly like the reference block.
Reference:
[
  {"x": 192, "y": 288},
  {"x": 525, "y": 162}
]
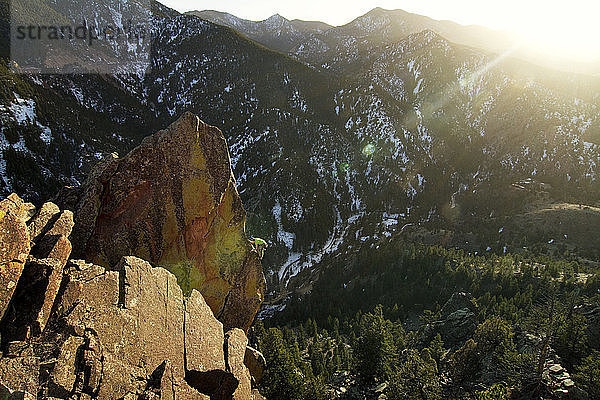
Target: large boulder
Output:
[
  {"x": 458, "y": 320},
  {"x": 173, "y": 201},
  {"x": 459, "y": 301},
  {"x": 14, "y": 245}
]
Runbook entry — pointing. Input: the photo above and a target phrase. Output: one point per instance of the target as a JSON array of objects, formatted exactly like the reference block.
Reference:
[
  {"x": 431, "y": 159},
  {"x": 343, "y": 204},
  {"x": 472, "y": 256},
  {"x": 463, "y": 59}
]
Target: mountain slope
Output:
[{"x": 420, "y": 131}]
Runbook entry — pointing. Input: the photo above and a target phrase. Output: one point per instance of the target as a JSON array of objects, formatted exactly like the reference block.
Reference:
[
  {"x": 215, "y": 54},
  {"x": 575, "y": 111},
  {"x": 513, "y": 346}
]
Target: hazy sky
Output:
[{"x": 571, "y": 26}]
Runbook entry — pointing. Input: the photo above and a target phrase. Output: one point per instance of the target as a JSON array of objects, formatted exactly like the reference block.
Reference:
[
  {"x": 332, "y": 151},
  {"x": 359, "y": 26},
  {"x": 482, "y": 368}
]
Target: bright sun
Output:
[{"x": 568, "y": 29}]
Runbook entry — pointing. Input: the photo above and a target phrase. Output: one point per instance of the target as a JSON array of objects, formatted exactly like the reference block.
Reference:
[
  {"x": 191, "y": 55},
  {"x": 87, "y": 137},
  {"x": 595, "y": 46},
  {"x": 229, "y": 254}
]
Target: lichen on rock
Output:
[{"x": 173, "y": 201}]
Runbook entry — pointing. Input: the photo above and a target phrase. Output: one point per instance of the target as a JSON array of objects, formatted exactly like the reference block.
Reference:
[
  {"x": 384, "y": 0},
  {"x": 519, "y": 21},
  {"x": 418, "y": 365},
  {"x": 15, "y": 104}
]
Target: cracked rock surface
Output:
[
  {"x": 14, "y": 246},
  {"x": 128, "y": 333}
]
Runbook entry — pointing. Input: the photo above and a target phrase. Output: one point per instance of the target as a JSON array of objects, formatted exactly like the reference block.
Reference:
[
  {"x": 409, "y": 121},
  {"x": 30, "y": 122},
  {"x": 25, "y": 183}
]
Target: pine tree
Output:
[
  {"x": 588, "y": 374},
  {"x": 436, "y": 347},
  {"x": 317, "y": 361},
  {"x": 374, "y": 352},
  {"x": 301, "y": 336},
  {"x": 416, "y": 378},
  {"x": 571, "y": 338},
  {"x": 282, "y": 380},
  {"x": 312, "y": 328}
]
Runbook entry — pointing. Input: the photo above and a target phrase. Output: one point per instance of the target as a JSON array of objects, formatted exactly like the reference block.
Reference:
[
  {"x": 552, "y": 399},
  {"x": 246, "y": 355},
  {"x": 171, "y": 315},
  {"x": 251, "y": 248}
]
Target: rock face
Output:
[
  {"x": 14, "y": 246},
  {"x": 130, "y": 327},
  {"x": 51, "y": 250},
  {"x": 256, "y": 363},
  {"x": 235, "y": 349},
  {"x": 128, "y": 333},
  {"x": 40, "y": 279},
  {"x": 39, "y": 248},
  {"x": 173, "y": 201},
  {"x": 204, "y": 336},
  {"x": 20, "y": 373}
]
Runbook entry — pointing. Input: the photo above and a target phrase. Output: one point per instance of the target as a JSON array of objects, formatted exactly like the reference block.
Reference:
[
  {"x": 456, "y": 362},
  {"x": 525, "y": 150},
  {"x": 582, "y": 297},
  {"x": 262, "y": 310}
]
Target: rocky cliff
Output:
[
  {"x": 111, "y": 325},
  {"x": 173, "y": 201}
]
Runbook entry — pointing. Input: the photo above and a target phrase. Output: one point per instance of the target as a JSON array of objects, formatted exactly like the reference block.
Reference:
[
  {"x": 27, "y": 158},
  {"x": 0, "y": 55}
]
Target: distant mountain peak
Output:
[
  {"x": 378, "y": 10},
  {"x": 276, "y": 18},
  {"x": 429, "y": 34}
]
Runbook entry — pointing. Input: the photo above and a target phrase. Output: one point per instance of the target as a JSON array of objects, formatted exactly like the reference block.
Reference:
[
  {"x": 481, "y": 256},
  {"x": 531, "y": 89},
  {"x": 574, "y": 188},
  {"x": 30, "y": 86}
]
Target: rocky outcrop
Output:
[
  {"x": 173, "y": 201},
  {"x": 457, "y": 320},
  {"x": 556, "y": 380},
  {"x": 76, "y": 329},
  {"x": 14, "y": 246},
  {"x": 128, "y": 327},
  {"x": 36, "y": 289},
  {"x": 128, "y": 333},
  {"x": 38, "y": 248},
  {"x": 111, "y": 325}
]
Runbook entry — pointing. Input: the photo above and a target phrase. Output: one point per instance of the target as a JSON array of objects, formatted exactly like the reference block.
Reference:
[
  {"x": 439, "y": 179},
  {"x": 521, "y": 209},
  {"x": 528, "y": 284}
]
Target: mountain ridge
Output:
[{"x": 478, "y": 36}]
